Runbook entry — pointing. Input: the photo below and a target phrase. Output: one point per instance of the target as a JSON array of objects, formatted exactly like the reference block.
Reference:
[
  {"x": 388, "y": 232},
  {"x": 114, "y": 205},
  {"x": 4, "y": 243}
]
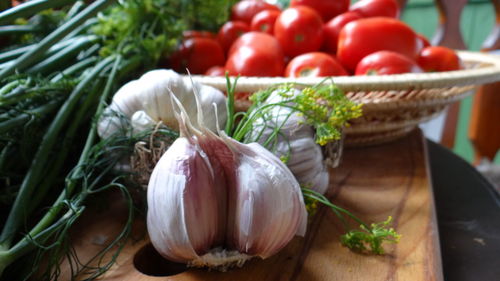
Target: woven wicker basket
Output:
[{"x": 393, "y": 104}]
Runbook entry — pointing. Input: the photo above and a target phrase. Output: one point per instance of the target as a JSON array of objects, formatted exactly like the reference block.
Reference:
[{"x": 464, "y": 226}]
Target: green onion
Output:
[
  {"x": 12, "y": 54},
  {"x": 79, "y": 66},
  {"x": 61, "y": 57},
  {"x": 32, "y": 178},
  {"x": 17, "y": 29},
  {"x": 50, "y": 223},
  {"x": 31, "y": 56},
  {"x": 29, "y": 8}
]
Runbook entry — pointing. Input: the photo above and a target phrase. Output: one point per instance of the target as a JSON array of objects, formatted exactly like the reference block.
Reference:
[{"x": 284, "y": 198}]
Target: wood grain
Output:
[{"x": 372, "y": 182}]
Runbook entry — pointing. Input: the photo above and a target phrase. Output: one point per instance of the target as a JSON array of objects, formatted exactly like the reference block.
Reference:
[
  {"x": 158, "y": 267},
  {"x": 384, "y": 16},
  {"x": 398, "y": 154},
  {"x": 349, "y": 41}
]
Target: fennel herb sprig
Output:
[
  {"x": 324, "y": 107},
  {"x": 369, "y": 238}
]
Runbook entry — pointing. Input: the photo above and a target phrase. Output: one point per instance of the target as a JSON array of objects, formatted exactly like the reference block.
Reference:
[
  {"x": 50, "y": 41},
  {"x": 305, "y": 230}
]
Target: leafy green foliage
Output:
[
  {"x": 145, "y": 28},
  {"x": 153, "y": 28},
  {"x": 206, "y": 14}
]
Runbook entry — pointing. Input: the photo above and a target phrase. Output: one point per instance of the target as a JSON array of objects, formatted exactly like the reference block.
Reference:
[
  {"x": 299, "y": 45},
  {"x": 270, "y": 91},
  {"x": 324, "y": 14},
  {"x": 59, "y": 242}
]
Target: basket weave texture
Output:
[{"x": 393, "y": 105}]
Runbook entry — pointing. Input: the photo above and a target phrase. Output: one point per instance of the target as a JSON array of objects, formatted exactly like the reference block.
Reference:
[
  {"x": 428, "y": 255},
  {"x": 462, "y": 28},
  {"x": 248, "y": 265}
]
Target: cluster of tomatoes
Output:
[{"x": 312, "y": 38}]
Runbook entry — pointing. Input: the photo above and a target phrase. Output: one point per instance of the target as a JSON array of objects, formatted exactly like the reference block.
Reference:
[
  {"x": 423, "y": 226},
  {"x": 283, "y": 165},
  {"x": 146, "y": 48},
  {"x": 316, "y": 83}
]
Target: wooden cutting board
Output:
[{"x": 372, "y": 182}]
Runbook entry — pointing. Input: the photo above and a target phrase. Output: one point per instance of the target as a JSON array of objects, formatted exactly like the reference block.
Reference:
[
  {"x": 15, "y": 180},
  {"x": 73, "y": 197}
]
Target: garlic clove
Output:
[
  {"x": 267, "y": 202},
  {"x": 183, "y": 215}
]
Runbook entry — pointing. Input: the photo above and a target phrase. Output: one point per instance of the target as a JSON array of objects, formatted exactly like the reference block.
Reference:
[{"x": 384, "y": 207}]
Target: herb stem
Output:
[
  {"x": 322, "y": 199},
  {"x": 230, "y": 105}
]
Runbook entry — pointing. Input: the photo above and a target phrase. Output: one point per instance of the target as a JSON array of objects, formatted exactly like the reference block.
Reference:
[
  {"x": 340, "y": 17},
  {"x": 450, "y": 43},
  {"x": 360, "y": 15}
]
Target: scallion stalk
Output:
[
  {"x": 51, "y": 221},
  {"x": 17, "y": 29},
  {"x": 15, "y": 53},
  {"x": 75, "y": 68},
  {"x": 34, "y": 54},
  {"x": 61, "y": 57},
  {"x": 33, "y": 176},
  {"x": 29, "y": 8}
]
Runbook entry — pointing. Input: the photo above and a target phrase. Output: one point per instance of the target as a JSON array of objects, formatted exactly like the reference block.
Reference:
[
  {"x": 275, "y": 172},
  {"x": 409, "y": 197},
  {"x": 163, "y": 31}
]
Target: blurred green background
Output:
[{"x": 477, "y": 21}]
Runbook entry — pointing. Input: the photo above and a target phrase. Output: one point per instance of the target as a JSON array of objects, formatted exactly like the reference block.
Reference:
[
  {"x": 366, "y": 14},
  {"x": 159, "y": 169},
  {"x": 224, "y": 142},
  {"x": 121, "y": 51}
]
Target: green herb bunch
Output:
[{"x": 64, "y": 60}]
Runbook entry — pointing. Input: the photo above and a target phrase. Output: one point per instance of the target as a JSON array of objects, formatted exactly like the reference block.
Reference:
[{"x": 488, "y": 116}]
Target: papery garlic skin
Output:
[{"x": 151, "y": 93}]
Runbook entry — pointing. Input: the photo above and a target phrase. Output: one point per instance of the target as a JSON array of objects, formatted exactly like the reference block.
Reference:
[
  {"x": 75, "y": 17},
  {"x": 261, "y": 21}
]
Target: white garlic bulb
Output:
[
  {"x": 295, "y": 141},
  {"x": 151, "y": 93},
  {"x": 213, "y": 201}
]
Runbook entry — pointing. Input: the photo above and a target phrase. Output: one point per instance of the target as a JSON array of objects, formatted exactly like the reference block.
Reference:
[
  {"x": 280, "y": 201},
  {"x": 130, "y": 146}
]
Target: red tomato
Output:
[
  {"x": 299, "y": 30},
  {"x": 376, "y": 8},
  {"x": 438, "y": 58},
  {"x": 315, "y": 64},
  {"x": 264, "y": 21},
  {"x": 327, "y": 9},
  {"x": 245, "y": 10},
  {"x": 216, "y": 71},
  {"x": 230, "y": 31},
  {"x": 332, "y": 29},
  {"x": 424, "y": 42},
  {"x": 386, "y": 62},
  {"x": 256, "y": 54},
  {"x": 197, "y": 55},
  {"x": 360, "y": 38},
  {"x": 198, "y": 33}
]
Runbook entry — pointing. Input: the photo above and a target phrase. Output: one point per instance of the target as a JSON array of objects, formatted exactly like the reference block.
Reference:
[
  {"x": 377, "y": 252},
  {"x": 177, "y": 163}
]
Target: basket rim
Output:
[{"x": 487, "y": 72}]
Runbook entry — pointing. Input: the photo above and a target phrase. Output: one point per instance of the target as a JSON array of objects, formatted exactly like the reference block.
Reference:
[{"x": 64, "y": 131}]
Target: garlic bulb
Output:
[
  {"x": 295, "y": 142},
  {"x": 213, "y": 201},
  {"x": 151, "y": 94}
]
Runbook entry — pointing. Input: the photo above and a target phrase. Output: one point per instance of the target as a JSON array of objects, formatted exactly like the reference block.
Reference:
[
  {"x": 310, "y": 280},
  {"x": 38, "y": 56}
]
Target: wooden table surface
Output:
[{"x": 372, "y": 182}]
